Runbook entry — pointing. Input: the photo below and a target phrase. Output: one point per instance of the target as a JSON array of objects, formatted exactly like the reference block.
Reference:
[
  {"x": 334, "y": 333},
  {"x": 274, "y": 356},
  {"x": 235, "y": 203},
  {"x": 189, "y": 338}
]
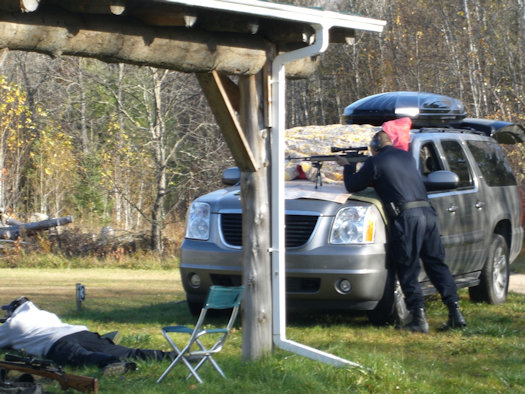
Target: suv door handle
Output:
[
  {"x": 480, "y": 204},
  {"x": 452, "y": 209}
]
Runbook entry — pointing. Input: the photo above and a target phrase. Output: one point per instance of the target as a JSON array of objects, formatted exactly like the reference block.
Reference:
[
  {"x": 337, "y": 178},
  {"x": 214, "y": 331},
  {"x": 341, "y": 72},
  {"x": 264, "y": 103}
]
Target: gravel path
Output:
[{"x": 517, "y": 283}]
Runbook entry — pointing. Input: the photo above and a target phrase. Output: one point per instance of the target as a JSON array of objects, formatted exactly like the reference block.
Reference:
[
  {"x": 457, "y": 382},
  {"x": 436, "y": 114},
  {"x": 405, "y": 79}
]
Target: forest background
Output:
[{"x": 130, "y": 147}]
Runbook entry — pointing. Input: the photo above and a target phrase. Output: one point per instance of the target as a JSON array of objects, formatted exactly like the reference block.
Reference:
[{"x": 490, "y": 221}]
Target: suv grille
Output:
[{"x": 299, "y": 229}]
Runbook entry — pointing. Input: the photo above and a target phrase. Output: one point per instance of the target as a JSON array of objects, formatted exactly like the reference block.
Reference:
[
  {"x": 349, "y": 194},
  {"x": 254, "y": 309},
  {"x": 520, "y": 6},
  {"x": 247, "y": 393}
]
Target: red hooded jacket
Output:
[{"x": 399, "y": 132}]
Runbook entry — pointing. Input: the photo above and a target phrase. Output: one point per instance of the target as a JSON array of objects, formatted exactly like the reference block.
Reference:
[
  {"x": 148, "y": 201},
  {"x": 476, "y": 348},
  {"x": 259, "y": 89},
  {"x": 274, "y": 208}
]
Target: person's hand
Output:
[{"x": 342, "y": 161}]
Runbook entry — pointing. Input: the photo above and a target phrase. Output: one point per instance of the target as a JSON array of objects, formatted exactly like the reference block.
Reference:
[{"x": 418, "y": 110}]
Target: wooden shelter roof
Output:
[{"x": 229, "y": 36}]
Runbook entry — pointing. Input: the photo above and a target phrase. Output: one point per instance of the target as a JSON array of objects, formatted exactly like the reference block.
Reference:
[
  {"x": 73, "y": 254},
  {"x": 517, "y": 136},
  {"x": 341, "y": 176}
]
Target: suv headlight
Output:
[
  {"x": 198, "y": 224},
  {"x": 353, "y": 225}
]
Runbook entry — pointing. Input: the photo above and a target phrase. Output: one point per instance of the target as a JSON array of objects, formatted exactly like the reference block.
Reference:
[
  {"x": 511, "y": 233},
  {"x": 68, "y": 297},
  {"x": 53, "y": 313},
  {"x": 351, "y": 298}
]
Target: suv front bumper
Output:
[{"x": 312, "y": 275}]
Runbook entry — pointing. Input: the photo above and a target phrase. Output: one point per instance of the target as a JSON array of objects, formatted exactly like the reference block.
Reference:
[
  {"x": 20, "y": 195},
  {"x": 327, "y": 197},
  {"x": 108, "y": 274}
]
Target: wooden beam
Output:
[
  {"x": 232, "y": 91},
  {"x": 164, "y": 14},
  {"x": 287, "y": 32},
  {"x": 223, "y": 22},
  {"x": 19, "y": 5},
  {"x": 302, "y": 68},
  {"x": 118, "y": 39},
  {"x": 342, "y": 36},
  {"x": 115, "y": 7},
  {"x": 221, "y": 107},
  {"x": 3, "y": 55}
]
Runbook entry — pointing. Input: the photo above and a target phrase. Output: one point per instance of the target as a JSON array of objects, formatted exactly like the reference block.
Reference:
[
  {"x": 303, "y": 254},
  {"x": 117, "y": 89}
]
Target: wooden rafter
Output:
[{"x": 218, "y": 94}]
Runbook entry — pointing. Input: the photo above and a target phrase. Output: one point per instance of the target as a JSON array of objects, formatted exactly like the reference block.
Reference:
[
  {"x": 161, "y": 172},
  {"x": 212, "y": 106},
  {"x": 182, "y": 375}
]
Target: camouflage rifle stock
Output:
[{"x": 352, "y": 154}]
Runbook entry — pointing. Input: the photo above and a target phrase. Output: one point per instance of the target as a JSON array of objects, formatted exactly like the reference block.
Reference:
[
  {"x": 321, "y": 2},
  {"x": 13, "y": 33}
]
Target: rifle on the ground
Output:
[
  {"x": 44, "y": 368},
  {"x": 352, "y": 154}
]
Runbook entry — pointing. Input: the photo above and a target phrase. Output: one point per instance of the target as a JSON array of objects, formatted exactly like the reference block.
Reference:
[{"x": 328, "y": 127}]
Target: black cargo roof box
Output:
[{"x": 425, "y": 109}]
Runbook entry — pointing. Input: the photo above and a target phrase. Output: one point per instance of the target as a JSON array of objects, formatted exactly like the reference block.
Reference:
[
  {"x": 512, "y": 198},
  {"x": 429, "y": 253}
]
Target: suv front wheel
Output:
[
  {"x": 391, "y": 308},
  {"x": 494, "y": 279}
]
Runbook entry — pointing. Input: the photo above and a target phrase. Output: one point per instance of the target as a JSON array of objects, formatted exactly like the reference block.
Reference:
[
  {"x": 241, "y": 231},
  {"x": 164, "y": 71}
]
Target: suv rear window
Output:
[{"x": 492, "y": 163}]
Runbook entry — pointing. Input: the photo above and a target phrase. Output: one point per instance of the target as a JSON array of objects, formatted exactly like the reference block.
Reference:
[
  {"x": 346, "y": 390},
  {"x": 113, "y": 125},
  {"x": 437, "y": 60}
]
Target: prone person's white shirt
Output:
[{"x": 33, "y": 330}]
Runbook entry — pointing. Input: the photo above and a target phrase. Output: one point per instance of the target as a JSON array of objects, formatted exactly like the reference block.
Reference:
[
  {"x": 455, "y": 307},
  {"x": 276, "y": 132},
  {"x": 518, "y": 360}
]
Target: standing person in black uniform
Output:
[{"x": 413, "y": 231}]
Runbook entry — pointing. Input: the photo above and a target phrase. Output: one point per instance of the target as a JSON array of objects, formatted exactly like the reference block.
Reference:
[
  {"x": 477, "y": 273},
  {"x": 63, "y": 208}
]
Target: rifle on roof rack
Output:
[{"x": 352, "y": 154}]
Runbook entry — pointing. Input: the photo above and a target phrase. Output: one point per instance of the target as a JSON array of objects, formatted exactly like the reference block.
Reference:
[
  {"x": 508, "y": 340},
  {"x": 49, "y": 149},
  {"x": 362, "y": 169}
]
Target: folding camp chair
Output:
[{"x": 219, "y": 297}]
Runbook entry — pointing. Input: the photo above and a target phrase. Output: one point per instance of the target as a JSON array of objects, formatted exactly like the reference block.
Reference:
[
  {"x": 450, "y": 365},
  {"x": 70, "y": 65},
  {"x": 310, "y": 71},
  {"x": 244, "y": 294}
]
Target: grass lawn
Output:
[{"x": 488, "y": 356}]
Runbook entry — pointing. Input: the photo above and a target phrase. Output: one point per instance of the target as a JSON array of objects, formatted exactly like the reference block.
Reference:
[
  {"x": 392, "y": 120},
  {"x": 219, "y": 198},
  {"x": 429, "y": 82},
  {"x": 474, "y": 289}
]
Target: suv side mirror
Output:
[
  {"x": 231, "y": 176},
  {"x": 441, "y": 180}
]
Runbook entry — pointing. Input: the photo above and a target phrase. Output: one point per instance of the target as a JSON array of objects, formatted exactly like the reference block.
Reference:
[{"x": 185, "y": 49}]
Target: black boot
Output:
[
  {"x": 418, "y": 322},
  {"x": 455, "y": 317}
]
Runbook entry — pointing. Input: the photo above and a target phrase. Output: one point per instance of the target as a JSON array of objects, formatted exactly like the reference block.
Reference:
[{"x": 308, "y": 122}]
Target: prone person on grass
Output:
[{"x": 42, "y": 334}]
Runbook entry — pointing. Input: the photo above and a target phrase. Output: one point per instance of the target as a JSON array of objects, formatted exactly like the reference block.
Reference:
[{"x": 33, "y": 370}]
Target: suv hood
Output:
[
  {"x": 300, "y": 196},
  {"x": 299, "y": 191}
]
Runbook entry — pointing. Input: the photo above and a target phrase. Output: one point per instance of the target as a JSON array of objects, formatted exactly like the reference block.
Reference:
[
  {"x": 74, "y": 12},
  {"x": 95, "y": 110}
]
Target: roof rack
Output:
[{"x": 448, "y": 129}]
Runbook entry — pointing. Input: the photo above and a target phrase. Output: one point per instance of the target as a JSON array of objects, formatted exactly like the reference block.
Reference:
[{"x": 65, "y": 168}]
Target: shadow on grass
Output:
[
  {"x": 164, "y": 313},
  {"x": 177, "y": 313},
  {"x": 161, "y": 313},
  {"x": 325, "y": 318}
]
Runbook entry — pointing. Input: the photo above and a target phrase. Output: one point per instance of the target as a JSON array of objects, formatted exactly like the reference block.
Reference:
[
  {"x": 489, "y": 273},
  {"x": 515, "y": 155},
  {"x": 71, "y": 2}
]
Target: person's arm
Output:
[{"x": 356, "y": 181}]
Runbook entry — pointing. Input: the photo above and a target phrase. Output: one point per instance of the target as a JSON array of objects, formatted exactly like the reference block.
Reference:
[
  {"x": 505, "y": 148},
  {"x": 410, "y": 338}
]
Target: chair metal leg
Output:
[
  {"x": 192, "y": 370},
  {"x": 169, "y": 368},
  {"x": 219, "y": 297},
  {"x": 214, "y": 363}
]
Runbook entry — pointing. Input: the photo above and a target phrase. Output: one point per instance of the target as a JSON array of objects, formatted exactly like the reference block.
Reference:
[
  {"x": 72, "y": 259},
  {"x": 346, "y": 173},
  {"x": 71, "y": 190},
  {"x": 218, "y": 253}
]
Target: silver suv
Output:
[{"x": 336, "y": 250}]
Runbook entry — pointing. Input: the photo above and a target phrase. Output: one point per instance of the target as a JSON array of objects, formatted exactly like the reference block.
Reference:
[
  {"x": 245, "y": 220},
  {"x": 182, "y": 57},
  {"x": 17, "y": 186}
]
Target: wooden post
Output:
[{"x": 257, "y": 305}]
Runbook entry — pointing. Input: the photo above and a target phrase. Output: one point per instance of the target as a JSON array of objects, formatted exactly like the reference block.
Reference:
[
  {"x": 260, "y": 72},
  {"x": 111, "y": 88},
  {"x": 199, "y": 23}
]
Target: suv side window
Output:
[
  {"x": 428, "y": 159},
  {"x": 457, "y": 162},
  {"x": 492, "y": 163}
]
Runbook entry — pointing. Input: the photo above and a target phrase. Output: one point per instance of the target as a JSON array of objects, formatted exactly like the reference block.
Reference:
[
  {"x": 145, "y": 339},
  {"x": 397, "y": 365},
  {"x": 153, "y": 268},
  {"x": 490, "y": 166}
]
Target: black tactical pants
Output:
[
  {"x": 88, "y": 348},
  {"x": 414, "y": 234}
]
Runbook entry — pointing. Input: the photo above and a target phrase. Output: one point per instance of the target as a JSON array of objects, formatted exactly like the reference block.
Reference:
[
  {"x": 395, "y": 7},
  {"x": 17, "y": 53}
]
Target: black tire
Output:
[
  {"x": 391, "y": 308},
  {"x": 194, "y": 307},
  {"x": 495, "y": 275}
]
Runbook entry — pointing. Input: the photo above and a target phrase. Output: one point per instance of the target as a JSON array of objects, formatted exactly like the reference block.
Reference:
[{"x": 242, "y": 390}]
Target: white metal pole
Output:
[{"x": 278, "y": 247}]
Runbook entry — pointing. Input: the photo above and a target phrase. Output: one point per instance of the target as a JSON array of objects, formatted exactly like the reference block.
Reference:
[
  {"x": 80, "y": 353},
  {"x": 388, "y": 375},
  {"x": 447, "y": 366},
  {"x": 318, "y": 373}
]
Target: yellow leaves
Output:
[
  {"x": 53, "y": 154},
  {"x": 397, "y": 20},
  {"x": 41, "y": 112},
  {"x": 15, "y": 119}
]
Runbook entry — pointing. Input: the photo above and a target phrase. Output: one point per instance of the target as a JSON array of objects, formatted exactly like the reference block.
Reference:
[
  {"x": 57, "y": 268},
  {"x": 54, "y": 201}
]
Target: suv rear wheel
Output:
[{"x": 494, "y": 279}]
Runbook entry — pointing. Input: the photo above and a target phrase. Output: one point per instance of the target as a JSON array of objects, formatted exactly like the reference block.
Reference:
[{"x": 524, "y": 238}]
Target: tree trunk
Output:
[
  {"x": 257, "y": 316},
  {"x": 118, "y": 181},
  {"x": 158, "y": 137},
  {"x": 83, "y": 108}
]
